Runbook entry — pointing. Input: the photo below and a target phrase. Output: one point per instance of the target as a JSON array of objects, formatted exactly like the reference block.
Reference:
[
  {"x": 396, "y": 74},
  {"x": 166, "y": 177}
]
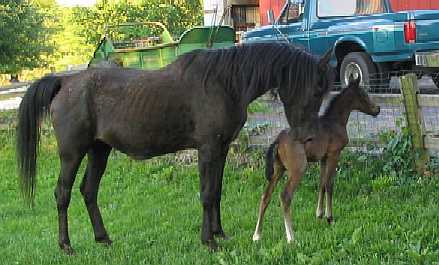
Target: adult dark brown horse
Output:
[
  {"x": 324, "y": 145},
  {"x": 199, "y": 101}
]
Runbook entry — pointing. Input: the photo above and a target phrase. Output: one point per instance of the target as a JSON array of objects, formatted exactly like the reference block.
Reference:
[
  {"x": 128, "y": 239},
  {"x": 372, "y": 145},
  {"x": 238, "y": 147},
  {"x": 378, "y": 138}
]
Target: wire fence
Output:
[{"x": 363, "y": 130}]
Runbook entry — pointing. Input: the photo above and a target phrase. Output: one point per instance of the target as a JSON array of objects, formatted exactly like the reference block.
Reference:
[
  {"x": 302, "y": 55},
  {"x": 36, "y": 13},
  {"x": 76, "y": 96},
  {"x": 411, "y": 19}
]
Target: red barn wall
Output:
[
  {"x": 265, "y": 5},
  {"x": 399, "y": 5}
]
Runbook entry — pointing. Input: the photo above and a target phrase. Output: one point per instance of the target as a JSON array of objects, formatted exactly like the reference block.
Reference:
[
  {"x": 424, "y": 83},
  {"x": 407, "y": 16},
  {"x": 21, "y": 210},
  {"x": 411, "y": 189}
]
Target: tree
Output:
[
  {"x": 44, "y": 3},
  {"x": 24, "y": 37},
  {"x": 177, "y": 16}
]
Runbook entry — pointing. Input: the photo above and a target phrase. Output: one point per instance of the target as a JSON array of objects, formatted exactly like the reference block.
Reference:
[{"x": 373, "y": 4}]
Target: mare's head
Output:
[
  {"x": 308, "y": 80},
  {"x": 360, "y": 99},
  {"x": 323, "y": 82}
]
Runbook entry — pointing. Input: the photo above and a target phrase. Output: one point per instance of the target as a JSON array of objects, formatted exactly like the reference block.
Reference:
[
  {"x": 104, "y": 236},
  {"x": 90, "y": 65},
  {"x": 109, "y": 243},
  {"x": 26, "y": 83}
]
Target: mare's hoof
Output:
[
  {"x": 105, "y": 241},
  {"x": 222, "y": 236},
  {"x": 330, "y": 220},
  {"x": 67, "y": 249},
  {"x": 212, "y": 245}
]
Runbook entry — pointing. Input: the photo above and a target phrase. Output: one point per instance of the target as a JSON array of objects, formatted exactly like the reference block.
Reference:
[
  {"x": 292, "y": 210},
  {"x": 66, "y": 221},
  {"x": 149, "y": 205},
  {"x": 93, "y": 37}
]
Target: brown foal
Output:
[{"x": 324, "y": 144}]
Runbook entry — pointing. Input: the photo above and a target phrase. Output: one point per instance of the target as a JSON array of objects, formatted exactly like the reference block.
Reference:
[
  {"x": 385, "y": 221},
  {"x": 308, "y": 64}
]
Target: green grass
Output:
[
  {"x": 258, "y": 106},
  {"x": 152, "y": 212},
  {"x": 11, "y": 95}
]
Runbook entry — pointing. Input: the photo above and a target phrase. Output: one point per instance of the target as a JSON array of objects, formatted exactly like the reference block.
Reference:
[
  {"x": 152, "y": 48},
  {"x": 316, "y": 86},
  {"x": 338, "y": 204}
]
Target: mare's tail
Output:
[
  {"x": 33, "y": 108},
  {"x": 270, "y": 157}
]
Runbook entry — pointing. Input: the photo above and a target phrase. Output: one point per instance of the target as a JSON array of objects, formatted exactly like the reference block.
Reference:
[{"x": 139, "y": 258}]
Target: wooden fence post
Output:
[{"x": 413, "y": 112}]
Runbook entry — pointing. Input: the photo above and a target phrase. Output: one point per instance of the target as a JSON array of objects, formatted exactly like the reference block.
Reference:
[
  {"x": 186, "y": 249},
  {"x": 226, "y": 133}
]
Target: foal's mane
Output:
[
  {"x": 335, "y": 101},
  {"x": 247, "y": 71}
]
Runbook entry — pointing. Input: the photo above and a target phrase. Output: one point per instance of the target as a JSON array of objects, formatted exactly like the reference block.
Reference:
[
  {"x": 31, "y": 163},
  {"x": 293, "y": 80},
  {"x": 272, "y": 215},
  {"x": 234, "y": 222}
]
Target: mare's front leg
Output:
[
  {"x": 323, "y": 177},
  {"x": 295, "y": 158},
  {"x": 211, "y": 160},
  {"x": 331, "y": 171},
  {"x": 217, "y": 228}
]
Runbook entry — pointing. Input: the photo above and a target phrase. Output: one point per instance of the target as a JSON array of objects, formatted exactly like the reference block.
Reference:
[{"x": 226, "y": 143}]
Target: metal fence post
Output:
[{"x": 413, "y": 112}]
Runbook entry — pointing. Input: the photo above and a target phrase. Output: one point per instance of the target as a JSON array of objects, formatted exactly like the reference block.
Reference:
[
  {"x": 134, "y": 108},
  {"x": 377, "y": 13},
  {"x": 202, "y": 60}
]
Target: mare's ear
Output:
[
  {"x": 324, "y": 60},
  {"x": 354, "y": 81}
]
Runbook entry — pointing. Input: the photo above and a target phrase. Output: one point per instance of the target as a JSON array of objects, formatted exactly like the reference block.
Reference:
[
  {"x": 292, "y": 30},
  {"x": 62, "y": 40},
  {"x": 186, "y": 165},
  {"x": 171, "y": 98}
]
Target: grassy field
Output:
[{"x": 152, "y": 212}]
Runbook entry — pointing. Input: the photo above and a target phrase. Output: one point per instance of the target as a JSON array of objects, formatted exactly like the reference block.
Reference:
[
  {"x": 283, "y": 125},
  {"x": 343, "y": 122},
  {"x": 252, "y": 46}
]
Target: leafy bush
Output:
[{"x": 399, "y": 156}]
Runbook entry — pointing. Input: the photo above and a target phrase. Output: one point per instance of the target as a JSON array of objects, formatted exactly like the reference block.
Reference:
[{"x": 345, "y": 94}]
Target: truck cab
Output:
[{"x": 369, "y": 39}]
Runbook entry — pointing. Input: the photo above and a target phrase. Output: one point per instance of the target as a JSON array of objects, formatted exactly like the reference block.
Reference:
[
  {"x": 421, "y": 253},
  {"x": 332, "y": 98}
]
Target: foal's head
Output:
[{"x": 360, "y": 98}]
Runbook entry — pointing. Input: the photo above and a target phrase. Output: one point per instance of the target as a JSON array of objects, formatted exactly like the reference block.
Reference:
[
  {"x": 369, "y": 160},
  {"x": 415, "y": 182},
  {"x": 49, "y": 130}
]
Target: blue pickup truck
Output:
[{"x": 369, "y": 39}]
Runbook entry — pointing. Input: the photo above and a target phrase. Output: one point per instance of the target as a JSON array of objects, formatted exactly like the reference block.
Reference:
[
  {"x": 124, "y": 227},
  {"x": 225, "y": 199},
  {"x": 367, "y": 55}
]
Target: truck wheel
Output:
[
  {"x": 359, "y": 65},
  {"x": 435, "y": 78}
]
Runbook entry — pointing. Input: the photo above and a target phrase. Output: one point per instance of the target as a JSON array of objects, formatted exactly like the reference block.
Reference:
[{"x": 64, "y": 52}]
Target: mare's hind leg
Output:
[
  {"x": 266, "y": 197},
  {"x": 323, "y": 176},
  {"x": 70, "y": 162},
  {"x": 295, "y": 158},
  {"x": 97, "y": 161}
]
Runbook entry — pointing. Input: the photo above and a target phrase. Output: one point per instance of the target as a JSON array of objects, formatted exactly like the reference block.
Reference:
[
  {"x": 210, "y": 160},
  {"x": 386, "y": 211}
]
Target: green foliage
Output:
[
  {"x": 44, "y": 35},
  {"x": 24, "y": 37},
  {"x": 71, "y": 47},
  {"x": 398, "y": 154},
  {"x": 177, "y": 16},
  {"x": 258, "y": 106},
  {"x": 44, "y": 3}
]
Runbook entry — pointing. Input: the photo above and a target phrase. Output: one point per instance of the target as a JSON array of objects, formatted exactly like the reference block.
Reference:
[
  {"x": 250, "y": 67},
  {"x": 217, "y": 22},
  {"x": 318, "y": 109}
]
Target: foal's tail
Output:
[
  {"x": 33, "y": 108},
  {"x": 270, "y": 157}
]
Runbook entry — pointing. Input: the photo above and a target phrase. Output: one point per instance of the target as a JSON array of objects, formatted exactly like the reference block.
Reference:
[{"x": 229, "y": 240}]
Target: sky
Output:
[{"x": 76, "y": 2}]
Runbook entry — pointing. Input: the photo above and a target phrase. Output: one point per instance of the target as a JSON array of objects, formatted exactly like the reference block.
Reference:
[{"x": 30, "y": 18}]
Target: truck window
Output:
[
  {"x": 346, "y": 8},
  {"x": 291, "y": 13}
]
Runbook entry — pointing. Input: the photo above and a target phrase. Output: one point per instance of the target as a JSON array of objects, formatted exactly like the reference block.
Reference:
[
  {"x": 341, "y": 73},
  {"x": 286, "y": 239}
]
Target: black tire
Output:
[
  {"x": 360, "y": 63},
  {"x": 435, "y": 78}
]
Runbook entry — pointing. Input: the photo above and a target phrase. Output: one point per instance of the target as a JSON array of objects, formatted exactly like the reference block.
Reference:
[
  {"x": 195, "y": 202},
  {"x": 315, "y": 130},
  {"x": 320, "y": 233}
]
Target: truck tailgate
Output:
[{"x": 427, "y": 25}]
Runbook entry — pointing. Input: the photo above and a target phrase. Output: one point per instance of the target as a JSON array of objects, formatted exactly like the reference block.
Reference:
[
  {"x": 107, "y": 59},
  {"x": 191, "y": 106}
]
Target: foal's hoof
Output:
[
  {"x": 330, "y": 220},
  {"x": 105, "y": 241},
  {"x": 256, "y": 237},
  {"x": 67, "y": 249},
  {"x": 319, "y": 213},
  {"x": 290, "y": 241}
]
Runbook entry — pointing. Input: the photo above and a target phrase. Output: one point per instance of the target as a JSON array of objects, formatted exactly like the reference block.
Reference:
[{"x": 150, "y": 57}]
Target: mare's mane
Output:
[{"x": 249, "y": 70}]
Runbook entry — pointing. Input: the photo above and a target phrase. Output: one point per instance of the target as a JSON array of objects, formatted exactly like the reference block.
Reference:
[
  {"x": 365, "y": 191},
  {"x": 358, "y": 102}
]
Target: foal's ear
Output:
[{"x": 324, "y": 60}]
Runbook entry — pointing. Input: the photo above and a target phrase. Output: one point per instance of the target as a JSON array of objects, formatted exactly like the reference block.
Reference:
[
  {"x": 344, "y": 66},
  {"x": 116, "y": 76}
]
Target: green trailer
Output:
[{"x": 149, "y": 45}]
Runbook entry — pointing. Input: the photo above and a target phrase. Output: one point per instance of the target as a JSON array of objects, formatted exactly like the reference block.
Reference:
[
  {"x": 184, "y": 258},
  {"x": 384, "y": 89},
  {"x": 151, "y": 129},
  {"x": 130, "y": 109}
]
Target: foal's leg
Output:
[
  {"x": 211, "y": 159},
  {"x": 295, "y": 158},
  {"x": 266, "y": 197},
  {"x": 323, "y": 177},
  {"x": 70, "y": 162},
  {"x": 97, "y": 161},
  {"x": 331, "y": 169}
]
